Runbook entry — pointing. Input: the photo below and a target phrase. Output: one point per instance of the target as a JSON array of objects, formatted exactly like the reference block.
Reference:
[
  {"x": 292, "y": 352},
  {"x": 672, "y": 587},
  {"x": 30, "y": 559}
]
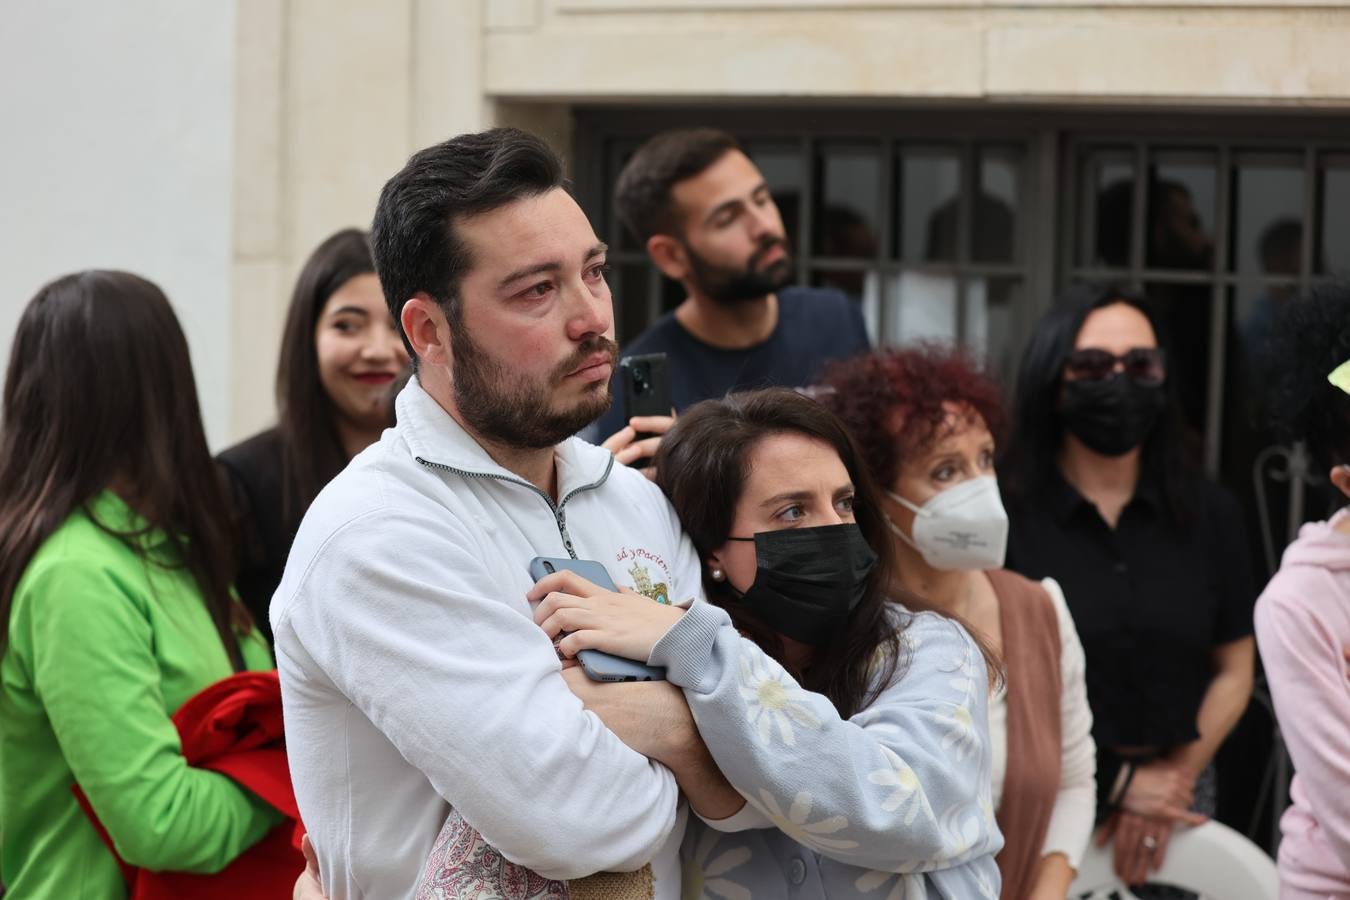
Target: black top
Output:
[
  {"x": 254, "y": 469},
  {"x": 815, "y": 325},
  {"x": 1150, "y": 599}
]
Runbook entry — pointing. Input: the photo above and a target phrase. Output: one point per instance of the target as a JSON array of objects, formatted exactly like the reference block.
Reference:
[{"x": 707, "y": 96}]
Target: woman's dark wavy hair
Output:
[
  {"x": 100, "y": 392},
  {"x": 1032, "y": 451},
  {"x": 702, "y": 467},
  {"x": 311, "y": 448},
  {"x": 1311, "y": 338}
]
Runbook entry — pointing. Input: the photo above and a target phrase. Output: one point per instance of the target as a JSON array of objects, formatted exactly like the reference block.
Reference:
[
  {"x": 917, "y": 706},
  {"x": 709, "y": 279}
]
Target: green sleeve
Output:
[{"x": 97, "y": 678}]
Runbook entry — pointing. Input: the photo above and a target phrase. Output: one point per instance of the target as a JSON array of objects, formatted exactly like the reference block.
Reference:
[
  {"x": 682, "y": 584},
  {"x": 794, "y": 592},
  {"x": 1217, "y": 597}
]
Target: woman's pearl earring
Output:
[{"x": 717, "y": 575}]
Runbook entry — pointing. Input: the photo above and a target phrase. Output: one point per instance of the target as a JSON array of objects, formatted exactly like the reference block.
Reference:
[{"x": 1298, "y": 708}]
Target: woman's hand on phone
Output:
[
  {"x": 625, "y": 624},
  {"x": 627, "y": 449}
]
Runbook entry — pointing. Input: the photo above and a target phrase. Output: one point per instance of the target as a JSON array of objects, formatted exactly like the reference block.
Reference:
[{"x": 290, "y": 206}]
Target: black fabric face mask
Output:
[
  {"x": 1111, "y": 416},
  {"x": 808, "y": 579}
]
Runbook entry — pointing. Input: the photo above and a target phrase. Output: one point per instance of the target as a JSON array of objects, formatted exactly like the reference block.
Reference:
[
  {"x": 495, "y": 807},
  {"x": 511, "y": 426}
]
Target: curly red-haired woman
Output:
[{"x": 926, "y": 419}]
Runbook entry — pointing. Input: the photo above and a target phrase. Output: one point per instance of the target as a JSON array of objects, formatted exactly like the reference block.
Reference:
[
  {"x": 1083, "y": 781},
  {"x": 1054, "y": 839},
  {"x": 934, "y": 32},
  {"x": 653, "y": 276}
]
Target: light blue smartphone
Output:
[{"x": 597, "y": 665}]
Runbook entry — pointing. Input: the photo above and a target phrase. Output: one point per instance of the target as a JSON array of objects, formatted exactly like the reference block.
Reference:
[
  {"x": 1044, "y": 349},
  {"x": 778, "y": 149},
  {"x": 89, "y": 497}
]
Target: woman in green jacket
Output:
[{"x": 115, "y": 598}]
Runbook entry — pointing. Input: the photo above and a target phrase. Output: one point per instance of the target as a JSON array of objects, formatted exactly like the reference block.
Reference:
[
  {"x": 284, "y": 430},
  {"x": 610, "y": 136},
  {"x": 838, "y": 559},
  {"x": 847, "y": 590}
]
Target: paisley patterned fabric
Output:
[{"x": 463, "y": 866}]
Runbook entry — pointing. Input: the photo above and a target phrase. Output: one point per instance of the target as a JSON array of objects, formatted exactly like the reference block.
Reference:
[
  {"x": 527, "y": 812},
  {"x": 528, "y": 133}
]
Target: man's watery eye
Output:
[
  {"x": 596, "y": 273},
  {"x": 539, "y": 290}
]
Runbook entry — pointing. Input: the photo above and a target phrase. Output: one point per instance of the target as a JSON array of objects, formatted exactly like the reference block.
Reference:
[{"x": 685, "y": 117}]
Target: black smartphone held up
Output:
[
  {"x": 646, "y": 386},
  {"x": 598, "y": 665}
]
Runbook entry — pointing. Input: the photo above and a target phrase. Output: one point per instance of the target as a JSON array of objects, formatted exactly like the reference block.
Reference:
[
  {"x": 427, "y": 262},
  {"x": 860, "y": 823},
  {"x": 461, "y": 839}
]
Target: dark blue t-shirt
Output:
[{"x": 815, "y": 326}]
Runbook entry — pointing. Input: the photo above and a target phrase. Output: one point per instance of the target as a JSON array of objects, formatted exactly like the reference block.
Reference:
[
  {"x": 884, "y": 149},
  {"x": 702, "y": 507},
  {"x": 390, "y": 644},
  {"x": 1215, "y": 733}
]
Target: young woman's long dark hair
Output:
[
  {"x": 1038, "y": 432},
  {"x": 100, "y": 393},
  {"x": 311, "y": 448},
  {"x": 701, "y": 467}
]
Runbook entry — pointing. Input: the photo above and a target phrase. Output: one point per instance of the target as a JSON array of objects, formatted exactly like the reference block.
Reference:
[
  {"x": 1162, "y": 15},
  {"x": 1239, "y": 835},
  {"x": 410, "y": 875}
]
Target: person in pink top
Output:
[{"x": 1303, "y": 616}]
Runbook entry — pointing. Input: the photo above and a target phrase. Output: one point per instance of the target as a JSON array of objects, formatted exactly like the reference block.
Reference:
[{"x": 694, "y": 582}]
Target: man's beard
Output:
[
  {"x": 729, "y": 286},
  {"x": 507, "y": 408}
]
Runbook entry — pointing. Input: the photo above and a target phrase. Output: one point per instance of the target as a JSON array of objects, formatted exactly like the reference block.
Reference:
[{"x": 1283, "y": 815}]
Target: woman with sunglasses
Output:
[
  {"x": 925, "y": 419},
  {"x": 1151, "y": 557}
]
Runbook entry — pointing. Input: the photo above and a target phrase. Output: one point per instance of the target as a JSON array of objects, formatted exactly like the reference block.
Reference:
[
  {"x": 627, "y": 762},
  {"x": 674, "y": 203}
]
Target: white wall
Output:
[{"x": 117, "y": 152}]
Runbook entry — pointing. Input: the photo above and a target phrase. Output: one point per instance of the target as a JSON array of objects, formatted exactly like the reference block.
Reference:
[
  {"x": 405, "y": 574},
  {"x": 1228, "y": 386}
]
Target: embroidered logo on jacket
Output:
[{"x": 643, "y": 561}]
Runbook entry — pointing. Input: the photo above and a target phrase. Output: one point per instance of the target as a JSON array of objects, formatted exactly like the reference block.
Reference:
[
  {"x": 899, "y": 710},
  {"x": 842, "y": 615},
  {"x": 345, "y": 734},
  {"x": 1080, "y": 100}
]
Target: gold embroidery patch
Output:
[{"x": 642, "y": 583}]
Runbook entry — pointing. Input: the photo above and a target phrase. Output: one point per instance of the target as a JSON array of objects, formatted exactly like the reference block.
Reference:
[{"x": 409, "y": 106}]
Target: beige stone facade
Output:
[{"x": 332, "y": 95}]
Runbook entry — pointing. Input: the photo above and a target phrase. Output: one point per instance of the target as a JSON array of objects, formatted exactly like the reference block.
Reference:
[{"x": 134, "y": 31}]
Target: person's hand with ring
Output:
[{"x": 1140, "y": 844}]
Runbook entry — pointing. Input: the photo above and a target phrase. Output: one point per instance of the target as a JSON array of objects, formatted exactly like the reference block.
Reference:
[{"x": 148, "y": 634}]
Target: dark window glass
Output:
[
  {"x": 1104, "y": 234},
  {"x": 847, "y": 194},
  {"x": 629, "y": 286},
  {"x": 1267, "y": 253},
  {"x": 994, "y": 225},
  {"x": 620, "y": 152},
  {"x": 929, "y": 183},
  {"x": 1335, "y": 210},
  {"x": 1181, "y": 202}
]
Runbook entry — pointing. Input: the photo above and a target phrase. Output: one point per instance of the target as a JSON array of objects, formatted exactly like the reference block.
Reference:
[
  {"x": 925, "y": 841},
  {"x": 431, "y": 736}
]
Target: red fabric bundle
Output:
[{"x": 233, "y": 727}]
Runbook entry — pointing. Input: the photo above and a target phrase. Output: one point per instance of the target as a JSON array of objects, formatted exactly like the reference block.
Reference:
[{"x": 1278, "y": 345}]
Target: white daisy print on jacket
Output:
[
  {"x": 961, "y": 737},
  {"x": 796, "y": 824},
  {"x": 963, "y": 827},
  {"x": 902, "y": 887},
  {"x": 907, "y": 795},
  {"x": 706, "y": 875},
  {"x": 773, "y": 701}
]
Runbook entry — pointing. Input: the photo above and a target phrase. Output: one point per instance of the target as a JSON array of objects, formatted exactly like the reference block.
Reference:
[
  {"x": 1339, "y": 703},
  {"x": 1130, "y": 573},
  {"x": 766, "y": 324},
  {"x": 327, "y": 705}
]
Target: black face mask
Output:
[
  {"x": 808, "y": 579},
  {"x": 1111, "y": 416}
]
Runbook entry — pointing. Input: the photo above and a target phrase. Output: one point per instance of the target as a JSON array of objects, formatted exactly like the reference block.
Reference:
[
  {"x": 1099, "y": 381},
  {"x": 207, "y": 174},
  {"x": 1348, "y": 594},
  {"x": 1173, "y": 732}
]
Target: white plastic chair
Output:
[{"x": 1211, "y": 860}]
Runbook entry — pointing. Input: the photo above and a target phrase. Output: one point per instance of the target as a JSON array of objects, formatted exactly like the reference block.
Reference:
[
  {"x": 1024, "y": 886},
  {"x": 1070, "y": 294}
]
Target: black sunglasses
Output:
[{"x": 1143, "y": 365}]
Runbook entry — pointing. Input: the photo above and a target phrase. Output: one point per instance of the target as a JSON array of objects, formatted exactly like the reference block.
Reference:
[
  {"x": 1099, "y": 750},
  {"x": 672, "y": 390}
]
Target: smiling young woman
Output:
[{"x": 341, "y": 357}]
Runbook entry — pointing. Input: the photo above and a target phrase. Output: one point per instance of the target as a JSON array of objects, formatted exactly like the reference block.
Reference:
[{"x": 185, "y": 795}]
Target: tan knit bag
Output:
[{"x": 639, "y": 885}]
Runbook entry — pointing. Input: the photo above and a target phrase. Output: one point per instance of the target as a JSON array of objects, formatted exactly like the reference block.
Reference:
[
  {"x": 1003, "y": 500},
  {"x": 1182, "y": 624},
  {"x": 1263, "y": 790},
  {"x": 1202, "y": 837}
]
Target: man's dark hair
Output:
[
  {"x": 413, "y": 238},
  {"x": 1310, "y": 339},
  {"x": 642, "y": 195}
]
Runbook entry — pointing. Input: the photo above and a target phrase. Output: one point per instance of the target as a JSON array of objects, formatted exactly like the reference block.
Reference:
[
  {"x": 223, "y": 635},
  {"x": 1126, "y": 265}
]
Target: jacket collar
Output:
[{"x": 433, "y": 437}]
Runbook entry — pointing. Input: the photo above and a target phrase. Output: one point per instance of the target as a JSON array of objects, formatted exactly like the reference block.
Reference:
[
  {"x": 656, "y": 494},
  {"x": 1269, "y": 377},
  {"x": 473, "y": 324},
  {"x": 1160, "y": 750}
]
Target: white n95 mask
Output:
[{"x": 964, "y": 527}]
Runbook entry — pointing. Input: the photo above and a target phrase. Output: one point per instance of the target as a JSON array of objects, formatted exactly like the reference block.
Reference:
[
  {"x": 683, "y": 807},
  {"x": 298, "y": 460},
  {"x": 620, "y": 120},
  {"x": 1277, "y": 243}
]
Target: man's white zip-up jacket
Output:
[{"x": 414, "y": 679}]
